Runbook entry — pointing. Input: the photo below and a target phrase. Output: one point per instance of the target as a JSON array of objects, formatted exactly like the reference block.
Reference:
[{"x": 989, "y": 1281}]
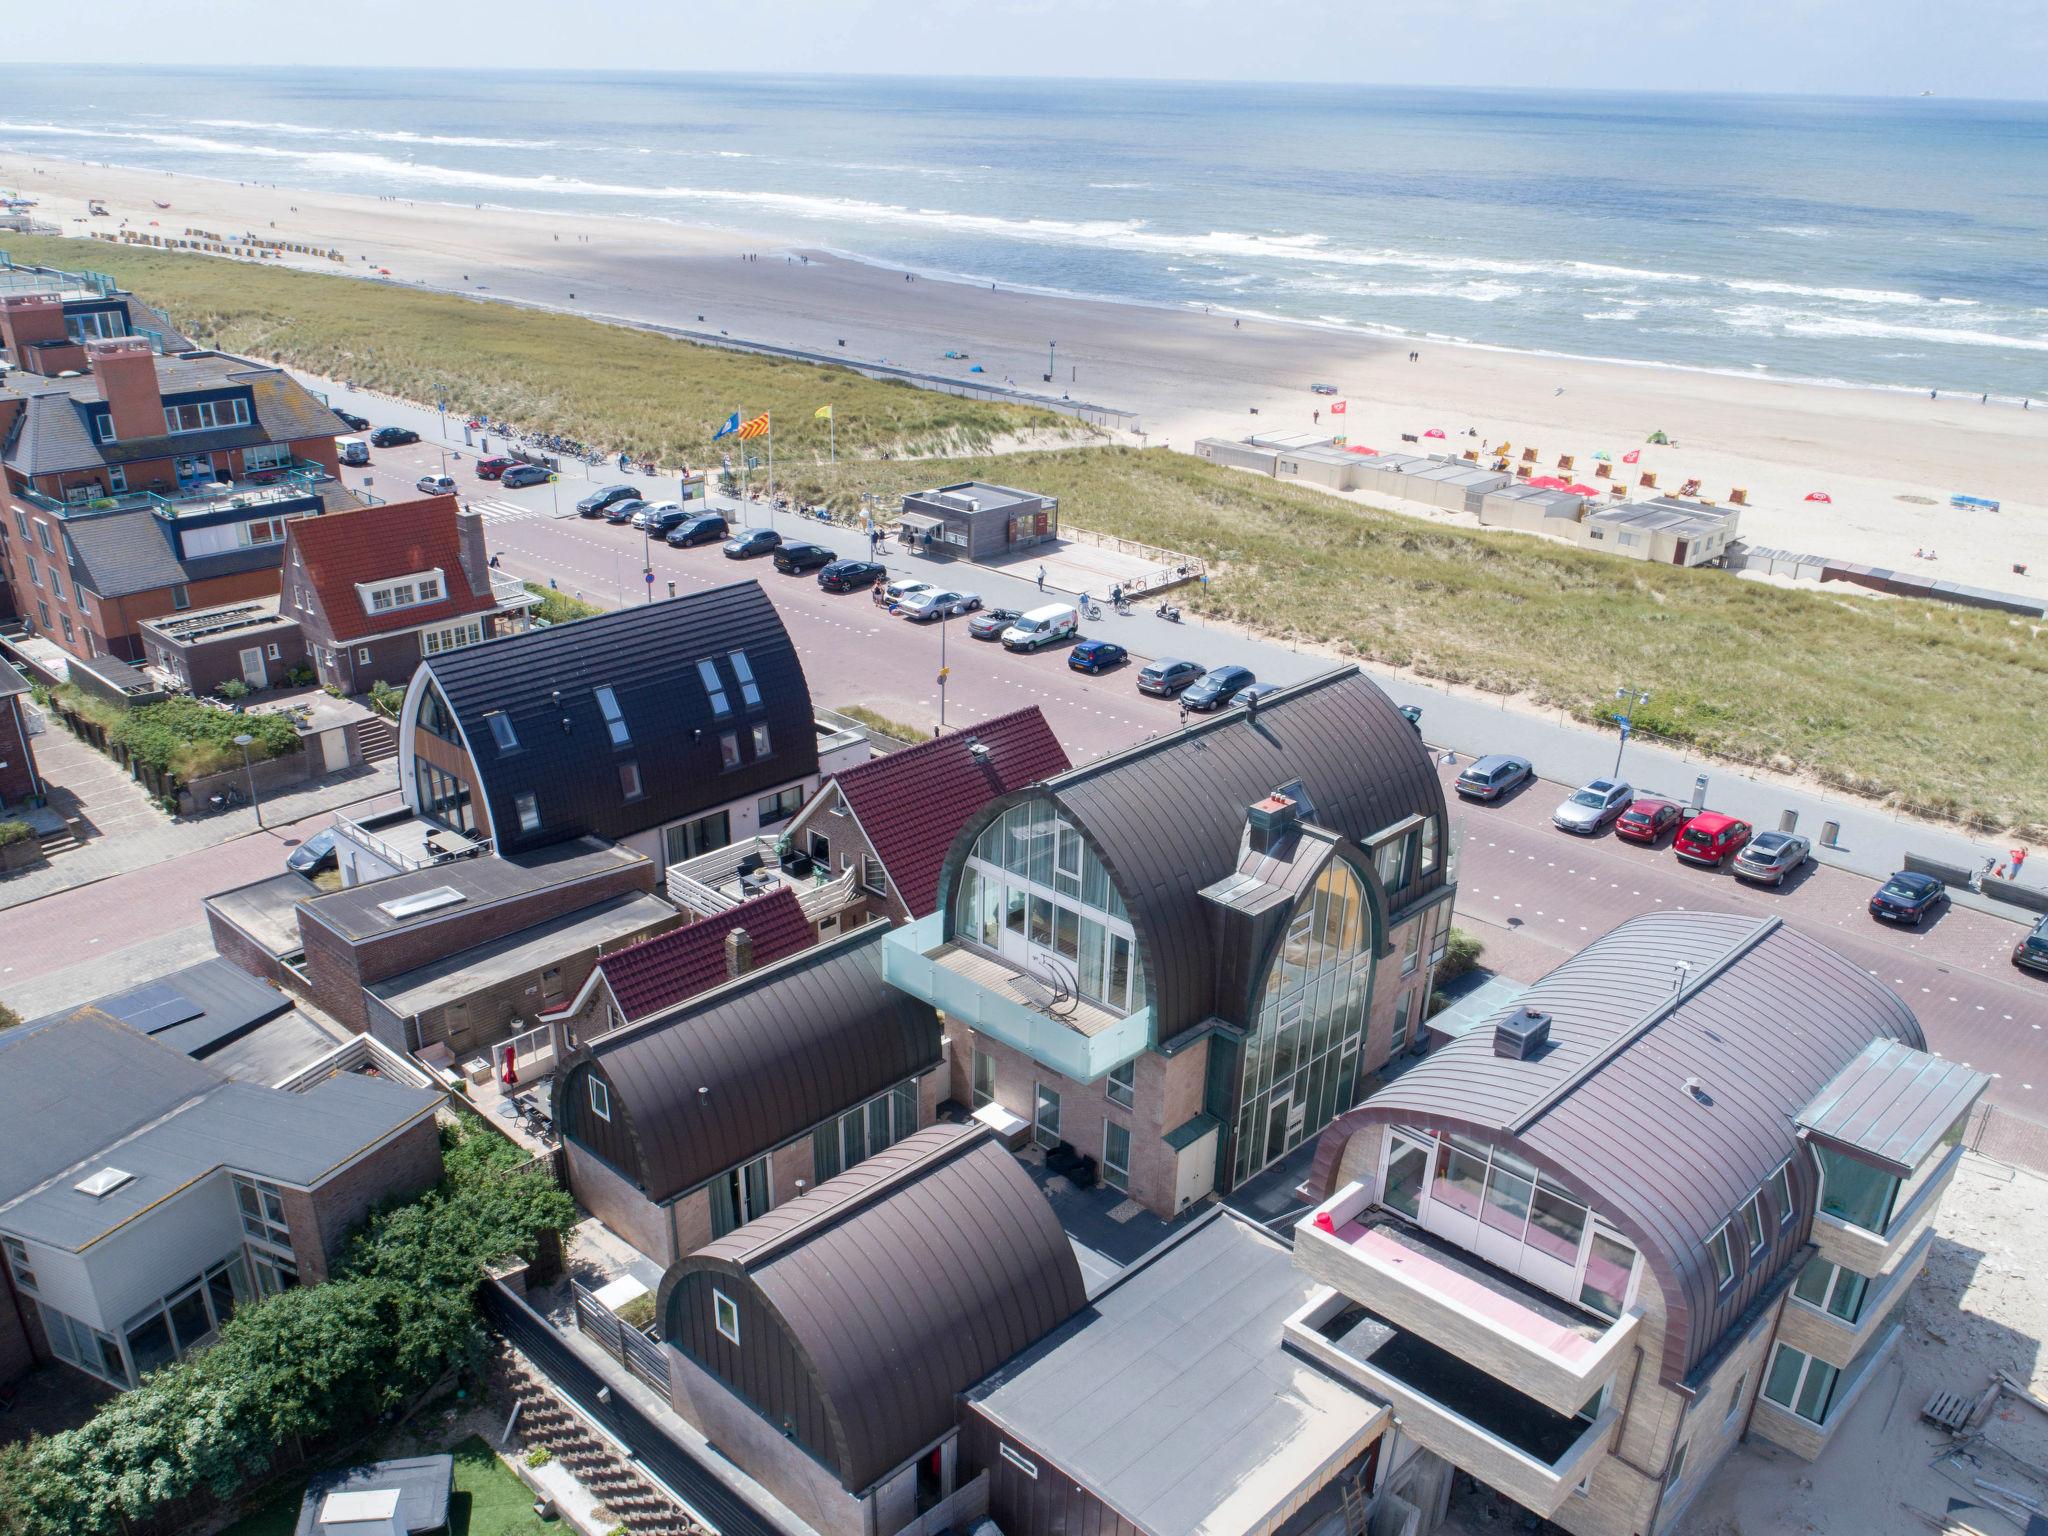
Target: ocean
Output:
[{"x": 1900, "y": 242}]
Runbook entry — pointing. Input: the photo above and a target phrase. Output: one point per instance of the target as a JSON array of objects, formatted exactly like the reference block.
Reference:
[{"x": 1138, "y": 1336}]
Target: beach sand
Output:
[{"x": 1889, "y": 461}]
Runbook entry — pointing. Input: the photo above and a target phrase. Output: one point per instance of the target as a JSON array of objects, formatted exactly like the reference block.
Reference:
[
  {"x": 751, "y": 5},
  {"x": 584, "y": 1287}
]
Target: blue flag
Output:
[{"x": 732, "y": 425}]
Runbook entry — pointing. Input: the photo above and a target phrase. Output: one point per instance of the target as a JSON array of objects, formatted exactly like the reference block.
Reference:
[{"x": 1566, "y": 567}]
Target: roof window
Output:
[
  {"x": 103, "y": 1183},
  {"x": 425, "y": 901},
  {"x": 608, "y": 702},
  {"x": 502, "y": 732},
  {"x": 714, "y": 688}
]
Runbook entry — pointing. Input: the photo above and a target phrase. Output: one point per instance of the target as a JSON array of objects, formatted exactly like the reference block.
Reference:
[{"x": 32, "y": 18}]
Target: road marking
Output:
[{"x": 501, "y": 511}]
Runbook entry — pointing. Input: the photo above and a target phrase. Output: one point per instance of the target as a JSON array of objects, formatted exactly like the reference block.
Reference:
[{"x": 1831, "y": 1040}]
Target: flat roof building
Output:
[
  {"x": 1665, "y": 531},
  {"x": 978, "y": 521}
]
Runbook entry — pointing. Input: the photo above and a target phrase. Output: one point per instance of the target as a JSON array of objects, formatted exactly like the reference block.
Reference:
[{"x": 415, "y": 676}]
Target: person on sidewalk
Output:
[{"x": 1041, "y": 578}]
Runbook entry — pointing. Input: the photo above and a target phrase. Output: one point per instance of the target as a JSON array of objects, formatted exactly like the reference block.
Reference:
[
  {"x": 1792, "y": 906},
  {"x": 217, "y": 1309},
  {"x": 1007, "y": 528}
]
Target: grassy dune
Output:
[{"x": 605, "y": 385}]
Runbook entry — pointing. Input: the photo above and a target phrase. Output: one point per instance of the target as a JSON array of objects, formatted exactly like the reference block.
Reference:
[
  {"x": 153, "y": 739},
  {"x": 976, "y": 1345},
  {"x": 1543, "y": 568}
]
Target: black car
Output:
[
  {"x": 701, "y": 529},
  {"x": 314, "y": 854},
  {"x": 659, "y": 523},
  {"x": 622, "y": 511},
  {"x": 850, "y": 575},
  {"x": 351, "y": 420},
  {"x": 1167, "y": 676},
  {"x": 524, "y": 474},
  {"x": 393, "y": 437},
  {"x": 752, "y": 543},
  {"x": 792, "y": 558},
  {"x": 1097, "y": 656},
  {"x": 1908, "y": 898},
  {"x": 594, "y": 504},
  {"x": 1213, "y": 689},
  {"x": 2031, "y": 953}
]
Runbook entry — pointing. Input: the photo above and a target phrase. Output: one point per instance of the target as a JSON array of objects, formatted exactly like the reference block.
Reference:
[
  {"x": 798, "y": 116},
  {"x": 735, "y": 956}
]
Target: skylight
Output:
[
  {"x": 425, "y": 901},
  {"x": 609, "y": 703},
  {"x": 501, "y": 731},
  {"x": 750, "y": 694},
  {"x": 103, "y": 1183}
]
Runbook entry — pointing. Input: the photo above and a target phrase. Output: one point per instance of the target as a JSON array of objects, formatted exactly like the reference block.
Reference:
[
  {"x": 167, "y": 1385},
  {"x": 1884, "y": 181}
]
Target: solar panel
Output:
[{"x": 153, "y": 1008}]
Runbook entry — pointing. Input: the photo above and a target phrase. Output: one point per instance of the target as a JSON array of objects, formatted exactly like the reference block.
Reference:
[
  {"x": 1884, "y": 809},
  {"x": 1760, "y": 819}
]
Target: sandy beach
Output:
[{"x": 1888, "y": 461}]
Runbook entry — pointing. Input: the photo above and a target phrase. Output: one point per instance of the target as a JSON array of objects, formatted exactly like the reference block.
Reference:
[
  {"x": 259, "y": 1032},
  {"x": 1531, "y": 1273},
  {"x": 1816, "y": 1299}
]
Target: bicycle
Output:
[{"x": 1089, "y": 608}]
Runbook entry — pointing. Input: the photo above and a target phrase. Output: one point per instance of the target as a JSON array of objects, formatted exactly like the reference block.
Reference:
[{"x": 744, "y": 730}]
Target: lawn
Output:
[
  {"x": 601, "y": 384},
  {"x": 489, "y": 1501}
]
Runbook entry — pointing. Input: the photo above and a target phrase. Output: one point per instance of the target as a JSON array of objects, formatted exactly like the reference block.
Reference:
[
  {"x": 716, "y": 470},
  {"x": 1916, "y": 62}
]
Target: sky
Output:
[{"x": 1977, "y": 48}]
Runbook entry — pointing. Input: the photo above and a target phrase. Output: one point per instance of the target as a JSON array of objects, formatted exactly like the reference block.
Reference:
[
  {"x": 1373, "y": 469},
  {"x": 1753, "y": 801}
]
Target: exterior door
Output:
[
  {"x": 1678, "y": 558},
  {"x": 252, "y": 667}
]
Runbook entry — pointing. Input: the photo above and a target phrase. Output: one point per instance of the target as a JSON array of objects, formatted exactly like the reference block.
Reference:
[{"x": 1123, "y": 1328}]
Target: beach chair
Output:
[
  {"x": 1528, "y": 455},
  {"x": 1738, "y": 497},
  {"x": 1522, "y": 471},
  {"x": 1617, "y": 491},
  {"x": 1648, "y": 481},
  {"x": 1472, "y": 454},
  {"x": 1500, "y": 466},
  {"x": 1564, "y": 462},
  {"x": 1603, "y": 471},
  {"x": 1690, "y": 488}
]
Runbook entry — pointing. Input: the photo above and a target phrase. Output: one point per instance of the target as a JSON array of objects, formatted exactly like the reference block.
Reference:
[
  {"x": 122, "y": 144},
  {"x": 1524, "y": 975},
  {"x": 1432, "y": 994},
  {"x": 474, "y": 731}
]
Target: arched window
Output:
[{"x": 1300, "y": 1061}]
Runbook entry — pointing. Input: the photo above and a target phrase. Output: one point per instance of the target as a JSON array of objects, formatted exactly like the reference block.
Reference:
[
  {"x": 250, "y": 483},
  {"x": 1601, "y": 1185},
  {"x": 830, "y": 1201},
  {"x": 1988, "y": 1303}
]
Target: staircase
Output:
[
  {"x": 544, "y": 1420},
  {"x": 376, "y": 739}
]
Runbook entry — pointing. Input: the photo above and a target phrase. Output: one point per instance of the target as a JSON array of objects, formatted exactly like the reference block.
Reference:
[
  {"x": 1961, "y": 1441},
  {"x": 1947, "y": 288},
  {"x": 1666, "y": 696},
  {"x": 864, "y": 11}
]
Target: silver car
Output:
[
  {"x": 1770, "y": 857},
  {"x": 1590, "y": 808},
  {"x": 936, "y": 604}
]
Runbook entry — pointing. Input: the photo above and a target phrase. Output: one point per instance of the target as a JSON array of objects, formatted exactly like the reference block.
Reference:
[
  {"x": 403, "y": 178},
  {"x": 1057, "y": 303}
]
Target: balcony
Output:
[
  {"x": 399, "y": 841},
  {"x": 1074, "y": 1038},
  {"x": 716, "y": 882},
  {"x": 1529, "y": 1341},
  {"x": 297, "y": 484},
  {"x": 1450, "y": 1407}
]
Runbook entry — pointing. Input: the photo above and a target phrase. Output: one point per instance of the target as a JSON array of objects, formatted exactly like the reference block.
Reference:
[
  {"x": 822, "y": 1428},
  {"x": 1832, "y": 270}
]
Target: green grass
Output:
[
  {"x": 489, "y": 1501},
  {"x": 559, "y": 607},
  {"x": 1927, "y": 708},
  {"x": 899, "y": 729},
  {"x": 602, "y": 384}
]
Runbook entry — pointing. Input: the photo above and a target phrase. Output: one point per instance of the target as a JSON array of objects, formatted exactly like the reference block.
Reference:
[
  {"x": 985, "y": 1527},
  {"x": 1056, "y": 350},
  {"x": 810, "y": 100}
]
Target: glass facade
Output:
[{"x": 1300, "y": 1058}]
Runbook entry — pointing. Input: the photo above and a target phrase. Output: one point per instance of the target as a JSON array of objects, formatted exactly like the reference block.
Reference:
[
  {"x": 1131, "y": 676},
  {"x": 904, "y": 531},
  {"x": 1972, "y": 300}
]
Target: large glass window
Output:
[
  {"x": 738, "y": 1196},
  {"x": 1122, "y": 1085},
  {"x": 615, "y": 722},
  {"x": 1801, "y": 1383},
  {"x": 1610, "y": 1262},
  {"x": 434, "y": 716},
  {"x": 1402, "y": 1190},
  {"x": 262, "y": 1208},
  {"x": 688, "y": 839},
  {"x": 1116, "y": 1155},
  {"x": 1832, "y": 1288},
  {"x": 1045, "y": 1118},
  {"x": 1855, "y": 1191},
  {"x": 750, "y": 692},
  {"x": 984, "y": 1079}
]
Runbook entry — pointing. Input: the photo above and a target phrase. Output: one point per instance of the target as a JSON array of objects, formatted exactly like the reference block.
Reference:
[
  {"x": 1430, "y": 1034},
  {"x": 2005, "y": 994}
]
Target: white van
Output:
[
  {"x": 1042, "y": 626},
  {"x": 353, "y": 450}
]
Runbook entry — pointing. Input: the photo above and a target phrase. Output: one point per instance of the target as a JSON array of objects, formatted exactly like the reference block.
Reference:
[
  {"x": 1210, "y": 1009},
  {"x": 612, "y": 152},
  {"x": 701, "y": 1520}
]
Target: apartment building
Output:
[
  {"x": 1673, "y": 1197},
  {"x": 48, "y": 315},
  {"x": 1185, "y": 959}
]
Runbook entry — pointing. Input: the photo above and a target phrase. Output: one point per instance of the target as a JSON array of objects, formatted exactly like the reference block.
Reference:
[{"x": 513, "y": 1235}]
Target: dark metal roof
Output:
[
  {"x": 1167, "y": 816},
  {"x": 545, "y": 680},
  {"x": 1892, "y": 1104},
  {"x": 421, "y": 1482},
  {"x": 730, "y": 1073},
  {"x": 902, "y": 1283},
  {"x": 1765, "y": 1017},
  {"x": 197, "y": 1010}
]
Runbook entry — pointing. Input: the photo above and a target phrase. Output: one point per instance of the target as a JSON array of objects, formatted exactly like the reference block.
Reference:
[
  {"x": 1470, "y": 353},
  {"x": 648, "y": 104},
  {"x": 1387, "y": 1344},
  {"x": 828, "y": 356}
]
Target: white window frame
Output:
[
  {"x": 1722, "y": 1256},
  {"x": 1798, "y": 1383},
  {"x": 1117, "y": 1177},
  {"x": 725, "y": 1316},
  {"x": 261, "y": 1226},
  {"x": 1121, "y": 1087},
  {"x": 442, "y": 638},
  {"x": 1753, "y": 1223},
  {"x": 1780, "y": 1186},
  {"x": 600, "y": 1096},
  {"x": 1018, "y": 1460},
  {"x": 615, "y": 722},
  {"x": 763, "y": 744},
  {"x": 18, "y": 1261},
  {"x": 631, "y": 785},
  {"x": 1827, "y": 1295},
  {"x": 207, "y": 416},
  {"x": 395, "y": 594}
]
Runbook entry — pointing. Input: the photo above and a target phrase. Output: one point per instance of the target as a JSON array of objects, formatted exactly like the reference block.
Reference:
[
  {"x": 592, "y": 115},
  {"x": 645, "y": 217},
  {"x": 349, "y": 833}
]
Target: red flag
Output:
[
  {"x": 1434, "y": 432},
  {"x": 1338, "y": 408},
  {"x": 1634, "y": 455}
]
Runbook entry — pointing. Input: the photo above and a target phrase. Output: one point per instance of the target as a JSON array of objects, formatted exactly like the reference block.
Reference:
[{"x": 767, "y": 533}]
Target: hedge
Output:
[
  {"x": 191, "y": 739},
  {"x": 15, "y": 832}
]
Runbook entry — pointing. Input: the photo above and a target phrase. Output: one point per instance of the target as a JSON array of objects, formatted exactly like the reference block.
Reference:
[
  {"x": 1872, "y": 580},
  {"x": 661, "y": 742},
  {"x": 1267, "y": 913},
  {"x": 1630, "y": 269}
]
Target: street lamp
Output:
[
  {"x": 943, "y": 670},
  {"x": 1049, "y": 369},
  {"x": 245, "y": 741},
  {"x": 1630, "y": 699}
]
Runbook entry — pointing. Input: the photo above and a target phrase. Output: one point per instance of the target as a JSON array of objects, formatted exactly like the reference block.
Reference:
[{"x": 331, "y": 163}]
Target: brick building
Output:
[
  {"x": 19, "y": 779},
  {"x": 47, "y": 317},
  {"x": 248, "y": 642}
]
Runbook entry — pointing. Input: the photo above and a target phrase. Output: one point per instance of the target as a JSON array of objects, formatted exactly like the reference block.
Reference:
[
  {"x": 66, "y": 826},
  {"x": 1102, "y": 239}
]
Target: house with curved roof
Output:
[
  {"x": 1183, "y": 960},
  {"x": 697, "y": 1119},
  {"x": 824, "y": 1346},
  {"x": 1672, "y": 1196}
]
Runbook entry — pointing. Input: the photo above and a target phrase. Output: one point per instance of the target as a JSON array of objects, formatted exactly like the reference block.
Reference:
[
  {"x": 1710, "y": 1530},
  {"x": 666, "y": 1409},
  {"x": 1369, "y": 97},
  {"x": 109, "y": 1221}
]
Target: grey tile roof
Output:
[
  {"x": 122, "y": 553},
  {"x": 1892, "y": 1104}
]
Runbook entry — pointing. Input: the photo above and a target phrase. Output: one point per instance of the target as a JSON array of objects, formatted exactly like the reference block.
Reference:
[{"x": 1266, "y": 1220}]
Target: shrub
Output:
[
  {"x": 898, "y": 729},
  {"x": 303, "y": 676},
  {"x": 385, "y": 699},
  {"x": 558, "y": 607},
  {"x": 539, "y": 1456},
  {"x": 1438, "y": 1002},
  {"x": 1461, "y": 954},
  {"x": 234, "y": 690},
  {"x": 191, "y": 739},
  {"x": 9, "y": 1019},
  {"x": 15, "y": 832}
]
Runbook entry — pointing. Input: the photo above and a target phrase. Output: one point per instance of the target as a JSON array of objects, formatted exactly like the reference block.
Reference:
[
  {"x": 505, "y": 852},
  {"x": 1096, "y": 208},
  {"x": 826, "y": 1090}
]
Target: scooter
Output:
[{"x": 1168, "y": 612}]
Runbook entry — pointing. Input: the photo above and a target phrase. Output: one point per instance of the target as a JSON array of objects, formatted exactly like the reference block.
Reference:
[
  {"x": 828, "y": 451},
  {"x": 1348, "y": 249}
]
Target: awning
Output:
[{"x": 920, "y": 522}]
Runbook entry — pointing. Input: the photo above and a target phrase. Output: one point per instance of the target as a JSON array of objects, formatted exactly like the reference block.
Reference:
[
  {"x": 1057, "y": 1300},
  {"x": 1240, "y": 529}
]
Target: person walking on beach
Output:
[{"x": 1041, "y": 578}]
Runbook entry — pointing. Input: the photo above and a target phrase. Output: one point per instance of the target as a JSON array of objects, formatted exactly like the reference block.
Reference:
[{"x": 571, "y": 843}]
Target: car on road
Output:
[
  {"x": 436, "y": 485},
  {"x": 793, "y": 559},
  {"x": 1253, "y": 694},
  {"x": 939, "y": 603},
  {"x": 1213, "y": 689},
  {"x": 595, "y": 503},
  {"x": 1322, "y": 389},
  {"x": 1412, "y": 713},
  {"x": 314, "y": 854},
  {"x": 1041, "y": 627},
  {"x": 351, "y": 420},
  {"x": 620, "y": 513},
  {"x": 2031, "y": 953},
  {"x": 752, "y": 544},
  {"x": 1167, "y": 676},
  {"x": 1771, "y": 858},
  {"x": 1591, "y": 806},
  {"x": 1492, "y": 777},
  {"x": 701, "y": 529},
  {"x": 492, "y": 468},
  {"x": 990, "y": 623},
  {"x": 393, "y": 437},
  {"x": 520, "y": 475},
  {"x": 1647, "y": 820},
  {"x": 1094, "y": 656},
  {"x": 850, "y": 575},
  {"x": 1907, "y": 897},
  {"x": 1710, "y": 839}
]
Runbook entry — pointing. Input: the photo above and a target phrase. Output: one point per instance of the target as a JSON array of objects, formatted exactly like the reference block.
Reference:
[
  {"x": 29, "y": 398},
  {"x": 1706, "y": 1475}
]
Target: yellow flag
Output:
[{"x": 822, "y": 413}]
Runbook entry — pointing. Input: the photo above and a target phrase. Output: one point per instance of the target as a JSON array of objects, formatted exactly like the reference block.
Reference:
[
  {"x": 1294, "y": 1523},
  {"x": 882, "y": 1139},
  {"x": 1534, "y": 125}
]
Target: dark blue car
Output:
[
  {"x": 1097, "y": 656},
  {"x": 1908, "y": 897}
]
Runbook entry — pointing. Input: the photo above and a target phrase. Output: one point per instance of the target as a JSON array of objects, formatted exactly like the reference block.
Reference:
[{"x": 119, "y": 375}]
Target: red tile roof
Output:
[
  {"x": 913, "y": 803},
  {"x": 673, "y": 967},
  {"x": 375, "y": 544}
]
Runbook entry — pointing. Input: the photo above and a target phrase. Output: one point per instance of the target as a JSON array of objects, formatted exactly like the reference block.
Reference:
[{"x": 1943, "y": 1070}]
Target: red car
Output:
[
  {"x": 492, "y": 469},
  {"x": 1710, "y": 839},
  {"x": 1647, "y": 820}
]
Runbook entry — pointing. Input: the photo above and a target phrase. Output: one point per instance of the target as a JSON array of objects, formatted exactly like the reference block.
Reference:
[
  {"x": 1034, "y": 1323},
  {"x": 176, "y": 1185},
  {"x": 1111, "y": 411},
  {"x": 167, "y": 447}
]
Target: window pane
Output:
[
  {"x": 1506, "y": 1207},
  {"x": 1041, "y": 922},
  {"x": 1721, "y": 1252},
  {"x": 1120, "y": 974},
  {"x": 1123, "y": 1084},
  {"x": 1404, "y": 1178},
  {"x": 878, "y": 1125},
  {"x": 750, "y": 693},
  {"x": 905, "y": 1095},
  {"x": 1556, "y": 1226},
  {"x": 1067, "y": 931},
  {"x": 189, "y": 1319},
  {"x": 1847, "y": 1302},
  {"x": 1458, "y": 1179},
  {"x": 1812, "y": 1284},
  {"x": 1855, "y": 1192},
  {"x": 825, "y": 1153},
  {"x": 714, "y": 688},
  {"x": 984, "y": 1079},
  {"x": 1815, "y": 1396},
  {"x": 1608, "y": 1266},
  {"x": 149, "y": 1344},
  {"x": 1753, "y": 1225}
]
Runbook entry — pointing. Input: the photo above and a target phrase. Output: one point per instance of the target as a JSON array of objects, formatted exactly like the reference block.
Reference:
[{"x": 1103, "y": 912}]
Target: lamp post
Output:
[
  {"x": 1630, "y": 699},
  {"x": 245, "y": 741},
  {"x": 1049, "y": 369},
  {"x": 943, "y": 670}
]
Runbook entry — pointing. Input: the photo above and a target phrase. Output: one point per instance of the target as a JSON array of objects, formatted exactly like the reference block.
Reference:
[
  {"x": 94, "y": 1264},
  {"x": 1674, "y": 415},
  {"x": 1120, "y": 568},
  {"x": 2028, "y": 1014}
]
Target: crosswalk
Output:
[{"x": 501, "y": 511}]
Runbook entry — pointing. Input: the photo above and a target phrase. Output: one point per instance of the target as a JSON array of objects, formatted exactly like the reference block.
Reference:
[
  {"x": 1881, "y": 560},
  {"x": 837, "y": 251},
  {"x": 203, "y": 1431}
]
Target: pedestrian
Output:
[
  {"x": 1183, "y": 714},
  {"x": 2019, "y": 857},
  {"x": 1041, "y": 578},
  {"x": 1318, "y": 415}
]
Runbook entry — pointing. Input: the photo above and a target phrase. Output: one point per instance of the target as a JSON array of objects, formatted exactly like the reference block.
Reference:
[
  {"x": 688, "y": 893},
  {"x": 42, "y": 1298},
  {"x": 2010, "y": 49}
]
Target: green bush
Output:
[
  {"x": 15, "y": 832},
  {"x": 385, "y": 698},
  {"x": 307, "y": 1365},
  {"x": 191, "y": 739},
  {"x": 1438, "y": 1002},
  {"x": 9, "y": 1019},
  {"x": 539, "y": 1456},
  {"x": 899, "y": 729},
  {"x": 558, "y": 607},
  {"x": 234, "y": 690},
  {"x": 303, "y": 676},
  {"x": 1461, "y": 954}
]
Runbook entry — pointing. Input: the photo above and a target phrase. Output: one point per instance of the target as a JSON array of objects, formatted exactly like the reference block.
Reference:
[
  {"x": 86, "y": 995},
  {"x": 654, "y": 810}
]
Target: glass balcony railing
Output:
[{"x": 294, "y": 483}]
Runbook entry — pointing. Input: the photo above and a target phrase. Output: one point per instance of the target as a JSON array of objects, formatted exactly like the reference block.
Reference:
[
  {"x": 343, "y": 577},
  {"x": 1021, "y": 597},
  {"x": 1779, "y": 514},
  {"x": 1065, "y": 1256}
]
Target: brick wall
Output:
[
  {"x": 609, "y": 1196},
  {"x": 17, "y": 756},
  {"x": 116, "y": 619},
  {"x": 230, "y": 943},
  {"x": 393, "y": 660},
  {"x": 1719, "y": 1417},
  {"x": 322, "y": 1220}
]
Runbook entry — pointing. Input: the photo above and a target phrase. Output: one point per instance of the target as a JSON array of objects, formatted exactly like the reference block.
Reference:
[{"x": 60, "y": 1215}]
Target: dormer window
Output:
[
  {"x": 205, "y": 416},
  {"x": 400, "y": 592},
  {"x": 105, "y": 424}
]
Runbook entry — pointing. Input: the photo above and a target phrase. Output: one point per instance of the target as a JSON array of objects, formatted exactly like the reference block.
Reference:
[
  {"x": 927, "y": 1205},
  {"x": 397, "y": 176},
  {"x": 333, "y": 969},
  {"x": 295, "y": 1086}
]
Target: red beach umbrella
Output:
[
  {"x": 1819, "y": 496},
  {"x": 1434, "y": 432}
]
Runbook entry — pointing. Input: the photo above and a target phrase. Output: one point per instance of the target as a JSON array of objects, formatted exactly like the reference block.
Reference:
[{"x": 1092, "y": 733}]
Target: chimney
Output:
[
  {"x": 1272, "y": 822},
  {"x": 469, "y": 544},
  {"x": 739, "y": 954},
  {"x": 29, "y": 318},
  {"x": 126, "y": 369},
  {"x": 1521, "y": 1035}
]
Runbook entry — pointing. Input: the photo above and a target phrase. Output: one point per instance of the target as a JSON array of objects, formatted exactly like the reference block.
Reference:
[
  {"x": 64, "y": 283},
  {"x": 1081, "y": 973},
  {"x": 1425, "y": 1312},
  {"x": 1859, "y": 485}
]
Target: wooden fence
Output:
[{"x": 620, "y": 1339}]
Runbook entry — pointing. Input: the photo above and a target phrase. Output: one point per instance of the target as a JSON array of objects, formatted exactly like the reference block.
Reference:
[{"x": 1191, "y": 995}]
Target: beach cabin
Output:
[{"x": 1664, "y": 531}]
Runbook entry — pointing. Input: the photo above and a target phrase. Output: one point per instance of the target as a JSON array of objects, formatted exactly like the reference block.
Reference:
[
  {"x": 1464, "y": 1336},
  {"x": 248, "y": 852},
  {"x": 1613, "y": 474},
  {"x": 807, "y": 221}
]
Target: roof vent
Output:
[
  {"x": 978, "y": 750},
  {"x": 1271, "y": 821},
  {"x": 1698, "y": 1090},
  {"x": 103, "y": 1183},
  {"x": 1521, "y": 1035}
]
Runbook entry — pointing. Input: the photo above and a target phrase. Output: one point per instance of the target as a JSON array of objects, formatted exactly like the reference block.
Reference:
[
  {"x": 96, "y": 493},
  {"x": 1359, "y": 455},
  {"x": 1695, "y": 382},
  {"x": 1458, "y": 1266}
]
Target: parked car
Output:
[
  {"x": 792, "y": 559},
  {"x": 2031, "y": 953},
  {"x": 1322, "y": 389},
  {"x": 1589, "y": 808},
  {"x": 1710, "y": 838},
  {"x": 1647, "y": 820},
  {"x": 1253, "y": 694},
  {"x": 523, "y": 475},
  {"x": 597, "y": 501},
  {"x": 393, "y": 437},
  {"x": 662, "y": 516},
  {"x": 352, "y": 450},
  {"x": 436, "y": 485},
  {"x": 1770, "y": 858},
  {"x": 1167, "y": 676},
  {"x": 647, "y": 511},
  {"x": 1097, "y": 656},
  {"x": 990, "y": 623},
  {"x": 492, "y": 468},
  {"x": 1412, "y": 713},
  {"x": 1492, "y": 777},
  {"x": 1042, "y": 627},
  {"x": 351, "y": 420},
  {"x": 905, "y": 586},
  {"x": 702, "y": 528},
  {"x": 314, "y": 854},
  {"x": 1212, "y": 690},
  {"x": 1908, "y": 897},
  {"x": 752, "y": 543},
  {"x": 939, "y": 603},
  {"x": 621, "y": 512},
  {"x": 850, "y": 575}
]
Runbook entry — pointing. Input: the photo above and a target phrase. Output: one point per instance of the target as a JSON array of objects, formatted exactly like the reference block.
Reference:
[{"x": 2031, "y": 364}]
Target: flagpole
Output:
[
  {"x": 740, "y": 411},
  {"x": 832, "y": 427},
  {"x": 771, "y": 464}
]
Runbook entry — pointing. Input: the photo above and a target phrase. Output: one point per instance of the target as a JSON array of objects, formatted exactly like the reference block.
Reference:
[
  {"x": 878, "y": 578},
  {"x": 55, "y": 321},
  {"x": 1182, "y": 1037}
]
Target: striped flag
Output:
[{"x": 755, "y": 427}]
